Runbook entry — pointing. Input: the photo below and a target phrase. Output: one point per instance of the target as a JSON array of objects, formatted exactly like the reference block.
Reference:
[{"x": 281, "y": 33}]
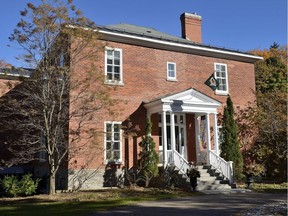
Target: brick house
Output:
[{"x": 162, "y": 76}]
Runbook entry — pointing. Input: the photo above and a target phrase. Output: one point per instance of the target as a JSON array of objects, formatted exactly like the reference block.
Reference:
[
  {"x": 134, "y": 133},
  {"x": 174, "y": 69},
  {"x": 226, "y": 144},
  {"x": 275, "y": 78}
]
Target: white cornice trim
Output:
[{"x": 167, "y": 45}]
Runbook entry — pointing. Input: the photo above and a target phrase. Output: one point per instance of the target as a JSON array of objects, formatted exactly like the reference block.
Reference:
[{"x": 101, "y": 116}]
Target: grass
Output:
[
  {"x": 85, "y": 203},
  {"x": 81, "y": 203},
  {"x": 267, "y": 188}
]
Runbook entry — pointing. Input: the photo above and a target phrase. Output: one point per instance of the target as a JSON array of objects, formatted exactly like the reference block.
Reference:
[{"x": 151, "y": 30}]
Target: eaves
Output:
[{"x": 178, "y": 46}]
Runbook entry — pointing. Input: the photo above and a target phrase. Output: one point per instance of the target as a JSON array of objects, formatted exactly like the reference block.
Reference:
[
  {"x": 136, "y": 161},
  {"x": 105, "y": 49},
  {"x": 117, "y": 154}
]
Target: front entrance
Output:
[{"x": 180, "y": 134}]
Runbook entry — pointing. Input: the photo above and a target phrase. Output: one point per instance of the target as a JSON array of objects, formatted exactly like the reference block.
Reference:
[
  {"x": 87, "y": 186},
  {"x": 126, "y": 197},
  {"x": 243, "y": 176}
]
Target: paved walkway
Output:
[{"x": 202, "y": 205}]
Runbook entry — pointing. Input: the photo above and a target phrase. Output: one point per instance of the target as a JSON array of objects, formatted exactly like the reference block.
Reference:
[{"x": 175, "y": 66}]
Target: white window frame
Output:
[
  {"x": 170, "y": 78},
  {"x": 222, "y": 92},
  {"x": 113, "y": 81},
  {"x": 106, "y": 161}
]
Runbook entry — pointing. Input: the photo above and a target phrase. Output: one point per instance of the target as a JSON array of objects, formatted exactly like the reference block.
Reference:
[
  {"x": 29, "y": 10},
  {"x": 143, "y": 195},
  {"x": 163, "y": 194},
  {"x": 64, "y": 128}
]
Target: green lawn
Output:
[
  {"x": 81, "y": 203},
  {"x": 85, "y": 203}
]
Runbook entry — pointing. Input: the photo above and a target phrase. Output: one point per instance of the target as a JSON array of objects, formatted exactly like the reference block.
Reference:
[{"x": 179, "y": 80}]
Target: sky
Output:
[{"x": 235, "y": 24}]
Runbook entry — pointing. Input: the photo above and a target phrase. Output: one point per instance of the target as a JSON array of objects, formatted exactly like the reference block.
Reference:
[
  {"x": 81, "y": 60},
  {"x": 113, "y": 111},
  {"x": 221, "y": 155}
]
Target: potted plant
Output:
[
  {"x": 193, "y": 173},
  {"x": 253, "y": 170}
]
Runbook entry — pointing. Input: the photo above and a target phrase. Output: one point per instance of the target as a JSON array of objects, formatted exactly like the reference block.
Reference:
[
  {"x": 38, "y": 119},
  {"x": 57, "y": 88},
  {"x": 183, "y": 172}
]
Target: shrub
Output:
[
  {"x": 24, "y": 187},
  {"x": 10, "y": 185},
  {"x": 27, "y": 185}
]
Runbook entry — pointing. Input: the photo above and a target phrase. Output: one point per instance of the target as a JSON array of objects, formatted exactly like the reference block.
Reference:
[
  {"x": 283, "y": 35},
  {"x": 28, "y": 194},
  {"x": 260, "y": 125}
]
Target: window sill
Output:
[
  {"x": 221, "y": 93},
  {"x": 114, "y": 83},
  {"x": 172, "y": 80},
  {"x": 111, "y": 163}
]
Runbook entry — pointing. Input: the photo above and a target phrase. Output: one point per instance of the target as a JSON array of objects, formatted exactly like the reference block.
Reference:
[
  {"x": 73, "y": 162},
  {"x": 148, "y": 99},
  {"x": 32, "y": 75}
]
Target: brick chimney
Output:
[{"x": 191, "y": 27}]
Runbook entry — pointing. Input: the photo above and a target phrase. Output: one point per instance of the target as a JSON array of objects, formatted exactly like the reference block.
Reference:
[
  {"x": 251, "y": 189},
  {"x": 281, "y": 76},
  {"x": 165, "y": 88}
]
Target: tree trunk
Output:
[{"x": 52, "y": 185}]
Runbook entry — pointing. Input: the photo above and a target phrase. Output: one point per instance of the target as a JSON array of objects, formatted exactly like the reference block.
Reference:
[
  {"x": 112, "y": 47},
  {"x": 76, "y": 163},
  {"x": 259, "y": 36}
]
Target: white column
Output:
[
  {"x": 172, "y": 127},
  {"x": 208, "y": 138},
  {"x": 164, "y": 138},
  {"x": 215, "y": 129}
]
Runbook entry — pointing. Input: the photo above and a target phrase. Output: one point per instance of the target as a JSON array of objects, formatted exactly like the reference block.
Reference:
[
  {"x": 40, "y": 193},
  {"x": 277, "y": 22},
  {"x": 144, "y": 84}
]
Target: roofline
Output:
[{"x": 178, "y": 46}]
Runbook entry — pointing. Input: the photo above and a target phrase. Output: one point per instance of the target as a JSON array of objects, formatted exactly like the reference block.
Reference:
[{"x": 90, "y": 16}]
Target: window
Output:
[
  {"x": 113, "y": 142},
  {"x": 113, "y": 65},
  {"x": 171, "y": 71},
  {"x": 222, "y": 76},
  {"x": 42, "y": 153}
]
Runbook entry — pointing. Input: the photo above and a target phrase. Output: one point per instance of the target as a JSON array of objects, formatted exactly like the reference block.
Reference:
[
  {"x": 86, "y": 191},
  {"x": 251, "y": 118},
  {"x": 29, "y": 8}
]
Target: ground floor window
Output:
[{"x": 113, "y": 142}]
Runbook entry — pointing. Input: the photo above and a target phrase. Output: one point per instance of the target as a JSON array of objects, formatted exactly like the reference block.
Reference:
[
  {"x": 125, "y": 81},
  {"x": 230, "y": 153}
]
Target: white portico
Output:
[{"x": 175, "y": 147}]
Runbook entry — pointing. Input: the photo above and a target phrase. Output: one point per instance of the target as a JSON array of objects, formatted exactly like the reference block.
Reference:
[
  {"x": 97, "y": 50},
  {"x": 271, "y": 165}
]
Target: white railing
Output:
[
  {"x": 176, "y": 159},
  {"x": 224, "y": 167}
]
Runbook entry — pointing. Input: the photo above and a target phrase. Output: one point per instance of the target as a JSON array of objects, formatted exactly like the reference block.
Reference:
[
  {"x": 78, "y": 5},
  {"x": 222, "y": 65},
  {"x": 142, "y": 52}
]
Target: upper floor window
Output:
[
  {"x": 113, "y": 142},
  {"x": 113, "y": 65},
  {"x": 171, "y": 71},
  {"x": 221, "y": 75}
]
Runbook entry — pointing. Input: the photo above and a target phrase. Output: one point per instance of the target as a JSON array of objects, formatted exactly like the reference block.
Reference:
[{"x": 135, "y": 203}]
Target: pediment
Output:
[
  {"x": 191, "y": 96},
  {"x": 190, "y": 101}
]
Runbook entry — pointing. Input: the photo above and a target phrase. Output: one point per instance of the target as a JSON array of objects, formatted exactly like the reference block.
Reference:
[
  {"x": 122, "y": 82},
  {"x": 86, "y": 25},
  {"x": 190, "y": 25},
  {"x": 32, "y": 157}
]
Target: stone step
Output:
[{"x": 210, "y": 179}]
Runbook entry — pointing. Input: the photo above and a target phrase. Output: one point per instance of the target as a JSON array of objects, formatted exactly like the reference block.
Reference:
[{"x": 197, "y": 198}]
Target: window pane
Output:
[
  {"x": 109, "y": 68},
  {"x": 109, "y": 76},
  {"x": 109, "y": 54},
  {"x": 108, "y": 145},
  {"x": 181, "y": 119},
  {"x": 116, "y": 146},
  {"x": 109, "y": 61},
  {"x": 117, "y": 69},
  {"x": 117, "y": 54},
  {"x": 116, "y": 127},
  {"x": 116, "y": 155},
  {"x": 168, "y": 118},
  {"x": 108, "y": 155},
  {"x": 168, "y": 138},
  {"x": 117, "y": 136},
  {"x": 223, "y": 68},
  {"x": 108, "y": 127},
  {"x": 117, "y": 61},
  {"x": 117, "y": 77},
  {"x": 171, "y": 74}
]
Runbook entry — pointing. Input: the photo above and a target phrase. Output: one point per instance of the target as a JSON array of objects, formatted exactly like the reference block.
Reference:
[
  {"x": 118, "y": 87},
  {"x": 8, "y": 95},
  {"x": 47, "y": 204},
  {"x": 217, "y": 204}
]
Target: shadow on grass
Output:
[{"x": 71, "y": 208}]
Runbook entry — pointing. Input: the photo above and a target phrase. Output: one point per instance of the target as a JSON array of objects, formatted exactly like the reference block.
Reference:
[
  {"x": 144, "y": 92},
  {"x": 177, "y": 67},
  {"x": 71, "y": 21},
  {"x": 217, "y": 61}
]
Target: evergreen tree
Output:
[
  {"x": 230, "y": 147},
  {"x": 148, "y": 162}
]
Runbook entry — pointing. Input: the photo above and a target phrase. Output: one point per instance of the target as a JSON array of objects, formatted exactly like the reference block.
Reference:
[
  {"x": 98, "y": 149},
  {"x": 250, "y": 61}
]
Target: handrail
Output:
[
  {"x": 225, "y": 167},
  {"x": 180, "y": 162}
]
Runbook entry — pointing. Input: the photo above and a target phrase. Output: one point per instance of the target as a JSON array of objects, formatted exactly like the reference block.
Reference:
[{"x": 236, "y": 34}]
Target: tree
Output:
[
  {"x": 61, "y": 99},
  {"x": 270, "y": 115},
  {"x": 148, "y": 162},
  {"x": 230, "y": 147}
]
